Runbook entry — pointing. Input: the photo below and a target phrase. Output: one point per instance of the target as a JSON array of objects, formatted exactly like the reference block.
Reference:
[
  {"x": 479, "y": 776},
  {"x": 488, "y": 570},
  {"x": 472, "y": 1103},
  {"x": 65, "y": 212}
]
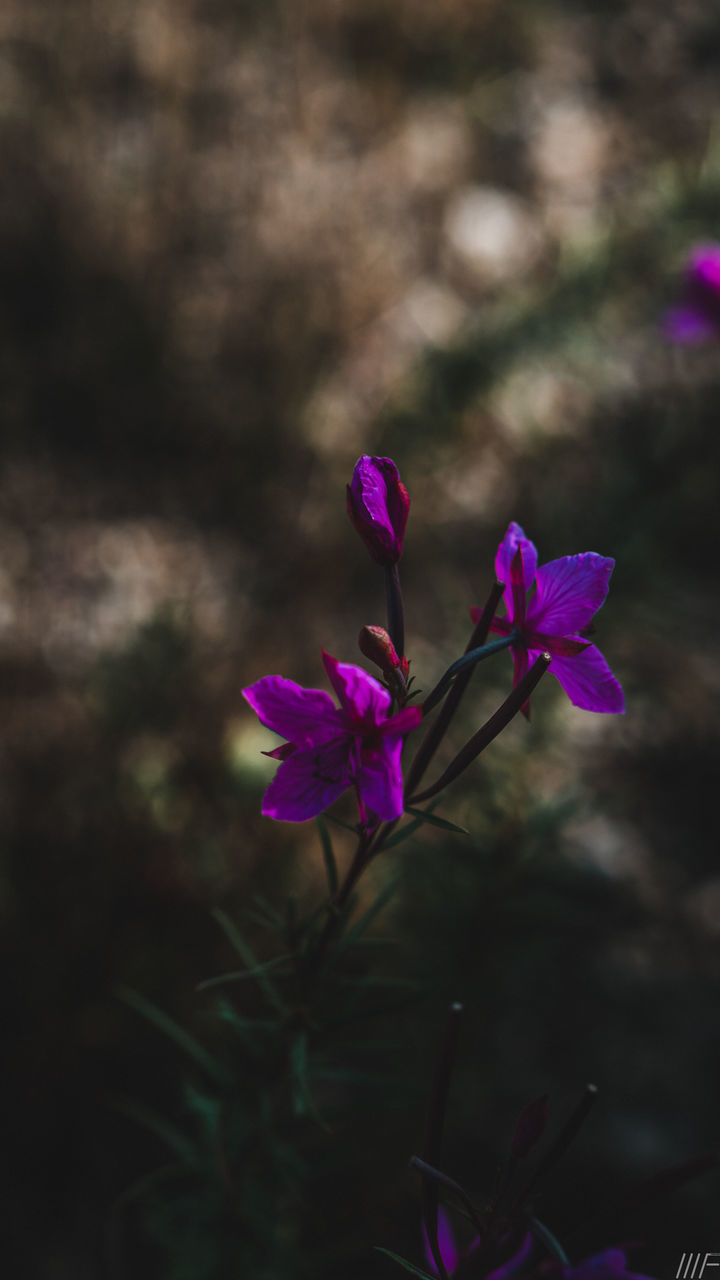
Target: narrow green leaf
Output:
[
  {"x": 403, "y": 833},
  {"x": 409, "y": 1266},
  {"x": 247, "y": 955},
  {"x": 249, "y": 1028},
  {"x": 146, "y": 1183},
  {"x": 270, "y": 911},
  {"x": 424, "y": 815},
  {"x": 366, "y": 919},
  {"x": 413, "y": 826},
  {"x": 298, "y": 1064},
  {"x": 346, "y": 826},
  {"x": 171, "y": 1028},
  {"x": 328, "y": 855},
  {"x": 546, "y": 1238},
  {"x": 303, "y": 1103},
  {"x": 240, "y": 975},
  {"x": 205, "y": 1106},
  {"x": 157, "y": 1124}
]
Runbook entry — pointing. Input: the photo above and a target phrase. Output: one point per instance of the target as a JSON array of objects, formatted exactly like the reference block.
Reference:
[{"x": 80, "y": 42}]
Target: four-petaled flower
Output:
[
  {"x": 330, "y": 749},
  {"x": 378, "y": 505},
  {"x": 568, "y": 592},
  {"x": 696, "y": 318}
]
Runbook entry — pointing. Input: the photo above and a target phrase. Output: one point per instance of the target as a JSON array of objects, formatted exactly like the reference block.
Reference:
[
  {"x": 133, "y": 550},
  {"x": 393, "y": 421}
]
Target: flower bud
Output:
[
  {"x": 378, "y": 505},
  {"x": 376, "y": 644},
  {"x": 530, "y": 1126}
]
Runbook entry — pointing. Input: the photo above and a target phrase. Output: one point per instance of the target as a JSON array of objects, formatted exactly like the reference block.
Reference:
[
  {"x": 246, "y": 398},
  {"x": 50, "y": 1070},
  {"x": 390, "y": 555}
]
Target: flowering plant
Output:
[{"x": 357, "y": 742}]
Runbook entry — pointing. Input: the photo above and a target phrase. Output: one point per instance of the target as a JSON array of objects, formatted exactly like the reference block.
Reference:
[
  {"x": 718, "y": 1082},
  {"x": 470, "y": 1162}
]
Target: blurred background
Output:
[{"x": 242, "y": 243}]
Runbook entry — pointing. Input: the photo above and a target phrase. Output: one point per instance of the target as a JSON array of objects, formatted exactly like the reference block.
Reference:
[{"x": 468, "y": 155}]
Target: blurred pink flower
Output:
[
  {"x": 609, "y": 1265},
  {"x": 696, "y": 318}
]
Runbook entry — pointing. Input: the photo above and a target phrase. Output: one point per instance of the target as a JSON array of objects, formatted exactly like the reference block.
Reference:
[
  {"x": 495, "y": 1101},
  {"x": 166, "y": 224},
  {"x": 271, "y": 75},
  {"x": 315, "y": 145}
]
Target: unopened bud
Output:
[
  {"x": 376, "y": 644},
  {"x": 530, "y": 1126},
  {"x": 378, "y": 505}
]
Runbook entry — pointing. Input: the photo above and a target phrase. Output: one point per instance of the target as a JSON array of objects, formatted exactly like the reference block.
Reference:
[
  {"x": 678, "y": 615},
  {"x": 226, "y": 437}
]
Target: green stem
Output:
[
  {"x": 435, "y": 1125},
  {"x": 395, "y": 610},
  {"x": 439, "y": 726},
  {"x": 490, "y": 730},
  {"x": 469, "y": 659},
  {"x": 360, "y": 861}
]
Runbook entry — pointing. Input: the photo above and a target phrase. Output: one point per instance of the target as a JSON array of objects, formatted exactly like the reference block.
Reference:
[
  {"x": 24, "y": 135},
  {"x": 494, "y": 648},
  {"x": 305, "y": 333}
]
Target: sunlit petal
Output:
[
  {"x": 589, "y": 682},
  {"x": 307, "y": 717},
  {"x": 569, "y": 593}
]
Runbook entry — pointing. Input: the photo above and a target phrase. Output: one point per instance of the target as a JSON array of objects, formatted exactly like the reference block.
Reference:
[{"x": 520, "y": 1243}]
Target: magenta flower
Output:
[
  {"x": 697, "y": 316},
  {"x": 454, "y": 1260},
  {"x": 331, "y": 749},
  {"x": 609, "y": 1265},
  {"x": 378, "y": 505},
  {"x": 449, "y": 1251},
  {"x": 568, "y": 592}
]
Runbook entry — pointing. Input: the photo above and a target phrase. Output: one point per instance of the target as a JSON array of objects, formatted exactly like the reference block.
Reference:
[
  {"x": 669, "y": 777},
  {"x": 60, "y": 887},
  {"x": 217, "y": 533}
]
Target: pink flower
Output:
[
  {"x": 568, "y": 592},
  {"x": 610, "y": 1265},
  {"x": 454, "y": 1260},
  {"x": 697, "y": 316},
  {"x": 331, "y": 749},
  {"x": 449, "y": 1251},
  {"x": 378, "y": 505}
]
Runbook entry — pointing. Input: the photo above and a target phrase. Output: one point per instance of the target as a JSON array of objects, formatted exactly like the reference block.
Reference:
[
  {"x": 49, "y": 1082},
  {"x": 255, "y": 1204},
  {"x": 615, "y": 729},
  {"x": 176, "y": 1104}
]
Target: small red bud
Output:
[
  {"x": 530, "y": 1126},
  {"x": 376, "y": 644}
]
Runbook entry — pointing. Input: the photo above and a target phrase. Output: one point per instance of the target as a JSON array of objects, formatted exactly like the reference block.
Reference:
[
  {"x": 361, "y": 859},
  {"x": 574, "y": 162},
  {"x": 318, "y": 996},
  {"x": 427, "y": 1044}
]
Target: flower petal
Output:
[
  {"x": 569, "y": 592},
  {"x": 690, "y": 323},
  {"x": 588, "y": 681},
  {"x": 610, "y": 1265},
  {"x": 403, "y": 721},
  {"x": 362, "y": 697},
  {"x": 307, "y": 717},
  {"x": 521, "y": 662},
  {"x": 515, "y": 539},
  {"x": 308, "y": 782},
  {"x": 446, "y": 1243},
  {"x": 516, "y": 1262},
  {"x": 379, "y": 779},
  {"x": 704, "y": 267},
  {"x": 378, "y": 505}
]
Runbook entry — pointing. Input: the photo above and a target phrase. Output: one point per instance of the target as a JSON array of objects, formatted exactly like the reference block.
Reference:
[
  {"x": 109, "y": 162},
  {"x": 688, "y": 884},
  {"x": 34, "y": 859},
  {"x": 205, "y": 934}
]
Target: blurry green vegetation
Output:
[
  {"x": 142, "y": 686},
  {"x": 215, "y": 216}
]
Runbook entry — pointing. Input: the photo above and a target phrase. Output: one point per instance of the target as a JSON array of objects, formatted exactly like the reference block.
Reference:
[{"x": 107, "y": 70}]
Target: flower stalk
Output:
[
  {"x": 468, "y": 659},
  {"x": 490, "y": 730}
]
